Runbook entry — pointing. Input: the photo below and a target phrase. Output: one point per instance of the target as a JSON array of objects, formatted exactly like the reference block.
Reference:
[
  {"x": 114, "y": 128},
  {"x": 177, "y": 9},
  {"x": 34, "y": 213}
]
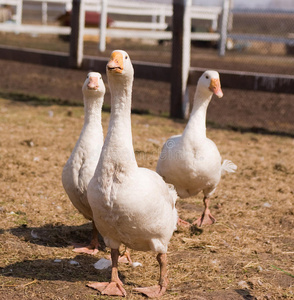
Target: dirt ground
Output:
[{"x": 247, "y": 254}]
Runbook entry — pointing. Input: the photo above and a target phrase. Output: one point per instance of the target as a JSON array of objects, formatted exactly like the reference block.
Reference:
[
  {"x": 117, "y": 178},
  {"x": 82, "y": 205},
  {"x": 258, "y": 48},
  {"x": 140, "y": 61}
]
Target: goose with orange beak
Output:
[
  {"x": 131, "y": 205},
  {"x": 81, "y": 165},
  {"x": 191, "y": 161}
]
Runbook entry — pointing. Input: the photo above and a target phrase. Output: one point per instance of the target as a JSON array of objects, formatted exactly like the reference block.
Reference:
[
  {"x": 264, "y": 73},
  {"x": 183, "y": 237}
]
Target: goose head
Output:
[
  {"x": 209, "y": 83},
  {"x": 120, "y": 65},
  {"x": 93, "y": 86}
]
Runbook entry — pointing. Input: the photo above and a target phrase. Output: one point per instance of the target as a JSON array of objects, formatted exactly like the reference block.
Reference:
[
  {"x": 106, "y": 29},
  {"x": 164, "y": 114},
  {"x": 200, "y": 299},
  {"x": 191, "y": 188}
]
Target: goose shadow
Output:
[
  {"x": 245, "y": 294},
  {"x": 78, "y": 269},
  {"x": 51, "y": 235}
]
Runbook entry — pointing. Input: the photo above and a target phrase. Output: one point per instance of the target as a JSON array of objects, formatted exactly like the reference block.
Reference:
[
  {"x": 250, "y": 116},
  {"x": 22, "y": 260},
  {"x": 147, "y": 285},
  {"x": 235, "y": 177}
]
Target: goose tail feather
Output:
[{"x": 228, "y": 167}]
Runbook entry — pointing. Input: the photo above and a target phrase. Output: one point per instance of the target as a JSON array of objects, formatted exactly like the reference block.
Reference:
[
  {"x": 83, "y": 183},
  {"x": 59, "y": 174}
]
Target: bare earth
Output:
[{"x": 246, "y": 254}]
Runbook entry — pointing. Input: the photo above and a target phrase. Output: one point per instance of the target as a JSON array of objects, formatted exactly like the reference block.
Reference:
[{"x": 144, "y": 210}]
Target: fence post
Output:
[
  {"x": 44, "y": 13},
  {"x": 230, "y": 20},
  {"x": 77, "y": 34},
  {"x": 103, "y": 25},
  {"x": 224, "y": 27},
  {"x": 19, "y": 7},
  {"x": 181, "y": 46}
]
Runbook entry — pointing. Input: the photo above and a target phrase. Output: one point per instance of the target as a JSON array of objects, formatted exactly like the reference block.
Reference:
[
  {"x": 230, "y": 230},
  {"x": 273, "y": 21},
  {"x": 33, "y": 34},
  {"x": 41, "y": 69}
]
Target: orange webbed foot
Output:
[
  {"x": 152, "y": 291},
  {"x": 85, "y": 249},
  {"x": 205, "y": 219},
  {"x": 108, "y": 288},
  {"x": 183, "y": 223}
]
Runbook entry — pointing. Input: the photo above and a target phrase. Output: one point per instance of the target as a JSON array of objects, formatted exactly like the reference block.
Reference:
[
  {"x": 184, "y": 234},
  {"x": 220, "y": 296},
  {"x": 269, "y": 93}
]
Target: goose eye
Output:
[
  {"x": 126, "y": 57},
  {"x": 206, "y": 76}
]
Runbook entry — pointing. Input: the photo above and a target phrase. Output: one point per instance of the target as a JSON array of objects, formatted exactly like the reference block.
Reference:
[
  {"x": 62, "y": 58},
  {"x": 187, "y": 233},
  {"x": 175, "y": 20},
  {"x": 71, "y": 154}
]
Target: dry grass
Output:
[{"x": 247, "y": 254}]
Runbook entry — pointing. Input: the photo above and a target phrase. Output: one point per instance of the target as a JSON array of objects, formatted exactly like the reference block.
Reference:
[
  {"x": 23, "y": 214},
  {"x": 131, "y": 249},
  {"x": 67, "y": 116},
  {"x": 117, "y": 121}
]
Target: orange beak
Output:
[
  {"x": 115, "y": 62},
  {"x": 215, "y": 87},
  {"x": 93, "y": 83}
]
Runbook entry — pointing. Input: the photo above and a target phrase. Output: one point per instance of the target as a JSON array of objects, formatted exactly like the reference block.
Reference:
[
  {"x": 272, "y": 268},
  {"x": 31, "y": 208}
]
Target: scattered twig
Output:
[
  {"x": 32, "y": 282},
  {"x": 223, "y": 224},
  {"x": 250, "y": 264},
  {"x": 22, "y": 285}
]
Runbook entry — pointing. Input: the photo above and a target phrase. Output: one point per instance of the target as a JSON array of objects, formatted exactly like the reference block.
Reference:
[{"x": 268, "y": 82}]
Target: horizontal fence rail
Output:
[{"x": 273, "y": 83}]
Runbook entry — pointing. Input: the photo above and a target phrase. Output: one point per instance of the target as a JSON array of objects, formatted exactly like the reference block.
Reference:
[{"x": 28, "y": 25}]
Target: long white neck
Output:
[
  {"x": 118, "y": 142},
  {"x": 196, "y": 127},
  {"x": 91, "y": 137},
  {"x": 92, "y": 109},
  {"x": 92, "y": 131}
]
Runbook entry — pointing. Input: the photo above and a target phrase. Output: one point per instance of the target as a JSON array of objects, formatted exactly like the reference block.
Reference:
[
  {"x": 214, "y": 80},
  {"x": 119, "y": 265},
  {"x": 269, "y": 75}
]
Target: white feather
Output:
[{"x": 228, "y": 167}]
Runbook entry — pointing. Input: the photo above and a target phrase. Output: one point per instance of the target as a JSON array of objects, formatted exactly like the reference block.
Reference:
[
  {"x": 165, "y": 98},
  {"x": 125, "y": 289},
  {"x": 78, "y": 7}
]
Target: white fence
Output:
[{"x": 155, "y": 29}]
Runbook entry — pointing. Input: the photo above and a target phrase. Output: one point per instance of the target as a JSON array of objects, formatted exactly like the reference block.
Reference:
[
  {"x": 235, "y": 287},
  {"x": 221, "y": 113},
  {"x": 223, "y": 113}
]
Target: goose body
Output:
[
  {"x": 131, "y": 205},
  {"x": 125, "y": 218},
  {"x": 191, "y": 161},
  {"x": 81, "y": 165},
  {"x": 189, "y": 177}
]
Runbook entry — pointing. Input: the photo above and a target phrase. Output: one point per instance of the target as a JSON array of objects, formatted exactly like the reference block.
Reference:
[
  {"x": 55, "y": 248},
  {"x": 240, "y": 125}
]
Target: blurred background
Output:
[{"x": 260, "y": 38}]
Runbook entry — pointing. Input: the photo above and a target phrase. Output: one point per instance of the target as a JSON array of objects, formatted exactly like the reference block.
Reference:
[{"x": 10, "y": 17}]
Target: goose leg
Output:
[
  {"x": 206, "y": 218},
  {"x": 126, "y": 257},
  {"x": 115, "y": 286},
  {"x": 92, "y": 248},
  {"x": 157, "y": 290}
]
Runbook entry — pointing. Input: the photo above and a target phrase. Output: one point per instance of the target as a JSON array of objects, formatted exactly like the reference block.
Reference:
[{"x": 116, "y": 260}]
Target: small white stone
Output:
[
  {"x": 243, "y": 284},
  {"x": 102, "y": 264},
  {"x": 136, "y": 264},
  {"x": 57, "y": 260},
  {"x": 73, "y": 262}
]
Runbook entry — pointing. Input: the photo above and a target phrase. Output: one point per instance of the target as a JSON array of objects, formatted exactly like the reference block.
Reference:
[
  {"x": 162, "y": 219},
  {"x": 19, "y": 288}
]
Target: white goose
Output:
[
  {"x": 131, "y": 205},
  {"x": 81, "y": 165},
  {"x": 191, "y": 161}
]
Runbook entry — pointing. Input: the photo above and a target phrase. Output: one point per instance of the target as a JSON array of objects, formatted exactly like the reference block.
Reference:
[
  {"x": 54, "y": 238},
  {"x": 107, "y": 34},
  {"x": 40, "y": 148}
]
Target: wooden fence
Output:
[
  {"x": 178, "y": 73},
  {"x": 156, "y": 28}
]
